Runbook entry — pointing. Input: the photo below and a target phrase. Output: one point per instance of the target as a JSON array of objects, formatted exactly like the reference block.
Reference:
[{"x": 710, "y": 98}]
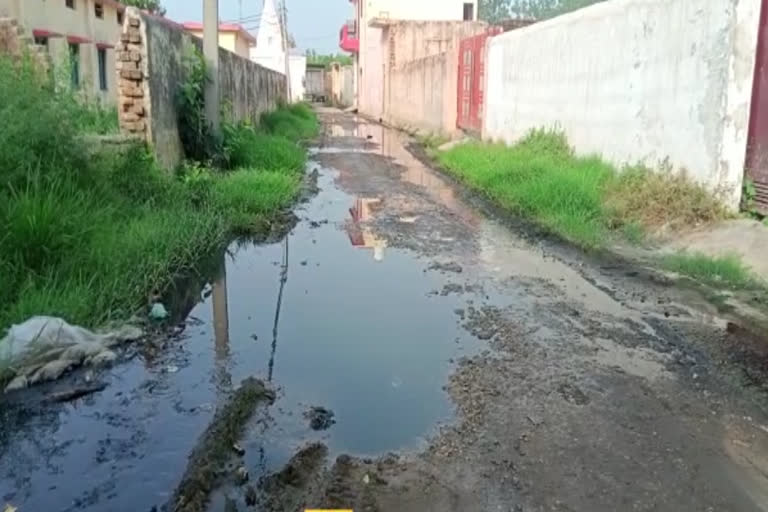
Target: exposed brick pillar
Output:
[
  {"x": 15, "y": 42},
  {"x": 131, "y": 57}
]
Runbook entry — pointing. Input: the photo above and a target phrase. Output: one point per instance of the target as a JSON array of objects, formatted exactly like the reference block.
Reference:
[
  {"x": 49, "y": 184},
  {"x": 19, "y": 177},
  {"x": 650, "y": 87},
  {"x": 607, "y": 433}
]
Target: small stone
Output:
[
  {"x": 241, "y": 475},
  {"x": 238, "y": 449}
]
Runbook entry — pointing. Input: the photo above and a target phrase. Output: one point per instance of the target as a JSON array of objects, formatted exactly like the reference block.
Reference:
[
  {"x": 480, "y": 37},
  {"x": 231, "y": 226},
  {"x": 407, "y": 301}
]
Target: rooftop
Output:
[{"x": 223, "y": 27}]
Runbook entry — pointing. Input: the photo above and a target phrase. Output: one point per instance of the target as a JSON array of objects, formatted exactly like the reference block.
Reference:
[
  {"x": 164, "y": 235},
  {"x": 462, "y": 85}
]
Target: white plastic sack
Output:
[{"x": 43, "y": 348}]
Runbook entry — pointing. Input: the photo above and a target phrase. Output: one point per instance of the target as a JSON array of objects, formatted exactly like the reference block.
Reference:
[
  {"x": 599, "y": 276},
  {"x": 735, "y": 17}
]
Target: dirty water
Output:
[
  {"x": 416, "y": 323},
  {"x": 330, "y": 316}
]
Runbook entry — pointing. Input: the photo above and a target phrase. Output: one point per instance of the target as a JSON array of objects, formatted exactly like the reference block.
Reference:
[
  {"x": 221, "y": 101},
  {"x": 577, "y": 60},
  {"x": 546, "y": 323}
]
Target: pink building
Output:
[{"x": 363, "y": 37}]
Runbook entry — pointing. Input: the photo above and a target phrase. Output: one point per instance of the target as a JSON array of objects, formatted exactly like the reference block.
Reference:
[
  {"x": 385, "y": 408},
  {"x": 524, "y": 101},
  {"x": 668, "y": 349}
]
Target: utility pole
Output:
[
  {"x": 284, "y": 31},
  {"x": 211, "y": 54}
]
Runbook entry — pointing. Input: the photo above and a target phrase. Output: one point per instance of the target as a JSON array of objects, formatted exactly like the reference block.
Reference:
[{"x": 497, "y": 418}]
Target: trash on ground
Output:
[
  {"x": 158, "y": 312},
  {"x": 45, "y": 348}
]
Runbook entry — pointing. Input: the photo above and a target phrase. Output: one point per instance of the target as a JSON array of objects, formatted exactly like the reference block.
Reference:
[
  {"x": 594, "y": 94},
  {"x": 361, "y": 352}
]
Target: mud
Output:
[
  {"x": 212, "y": 459},
  {"x": 536, "y": 378},
  {"x": 605, "y": 387}
]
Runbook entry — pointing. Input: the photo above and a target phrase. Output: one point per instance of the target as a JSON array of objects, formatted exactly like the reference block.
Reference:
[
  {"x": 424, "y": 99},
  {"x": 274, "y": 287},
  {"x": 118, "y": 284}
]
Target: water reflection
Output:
[
  {"x": 220, "y": 305},
  {"x": 361, "y": 235},
  {"x": 278, "y": 307}
]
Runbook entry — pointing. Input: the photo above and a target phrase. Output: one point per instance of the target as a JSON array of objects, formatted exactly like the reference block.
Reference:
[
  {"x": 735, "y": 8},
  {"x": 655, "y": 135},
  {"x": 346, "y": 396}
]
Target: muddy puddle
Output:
[
  {"x": 330, "y": 316},
  {"x": 391, "y": 283}
]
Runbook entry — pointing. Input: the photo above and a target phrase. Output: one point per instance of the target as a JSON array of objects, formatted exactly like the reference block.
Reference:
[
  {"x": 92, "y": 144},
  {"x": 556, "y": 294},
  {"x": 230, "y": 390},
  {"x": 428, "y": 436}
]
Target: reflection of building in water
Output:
[
  {"x": 338, "y": 130},
  {"x": 360, "y": 235}
]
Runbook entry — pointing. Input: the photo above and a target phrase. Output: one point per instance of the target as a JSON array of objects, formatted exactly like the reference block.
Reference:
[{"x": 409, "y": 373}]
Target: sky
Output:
[{"x": 315, "y": 24}]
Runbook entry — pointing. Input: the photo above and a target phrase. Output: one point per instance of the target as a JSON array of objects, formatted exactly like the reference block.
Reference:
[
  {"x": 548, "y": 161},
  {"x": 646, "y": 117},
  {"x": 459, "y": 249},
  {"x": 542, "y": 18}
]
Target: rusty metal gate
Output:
[
  {"x": 471, "y": 80},
  {"x": 757, "y": 146}
]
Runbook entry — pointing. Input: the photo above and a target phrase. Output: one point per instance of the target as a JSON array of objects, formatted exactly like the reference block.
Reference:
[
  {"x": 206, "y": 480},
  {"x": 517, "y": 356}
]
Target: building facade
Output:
[
  {"x": 364, "y": 38},
  {"x": 232, "y": 37},
  {"x": 80, "y": 36},
  {"x": 270, "y": 49}
]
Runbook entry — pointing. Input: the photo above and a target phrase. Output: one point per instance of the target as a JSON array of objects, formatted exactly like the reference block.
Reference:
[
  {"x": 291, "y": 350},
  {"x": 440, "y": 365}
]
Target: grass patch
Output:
[
  {"x": 89, "y": 239},
  {"x": 294, "y": 122},
  {"x": 726, "y": 271},
  {"x": 581, "y": 198},
  {"x": 659, "y": 199},
  {"x": 245, "y": 147},
  {"x": 248, "y": 197}
]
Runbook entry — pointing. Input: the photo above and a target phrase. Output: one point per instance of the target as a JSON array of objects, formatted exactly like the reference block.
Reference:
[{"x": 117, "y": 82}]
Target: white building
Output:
[
  {"x": 269, "y": 50},
  {"x": 298, "y": 70}
]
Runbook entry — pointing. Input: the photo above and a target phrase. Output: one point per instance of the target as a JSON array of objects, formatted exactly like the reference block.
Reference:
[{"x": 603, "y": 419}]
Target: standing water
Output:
[{"x": 332, "y": 316}]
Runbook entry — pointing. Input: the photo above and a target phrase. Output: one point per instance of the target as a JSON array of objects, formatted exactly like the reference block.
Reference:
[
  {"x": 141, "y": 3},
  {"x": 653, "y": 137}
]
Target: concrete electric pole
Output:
[
  {"x": 286, "y": 50},
  {"x": 211, "y": 54}
]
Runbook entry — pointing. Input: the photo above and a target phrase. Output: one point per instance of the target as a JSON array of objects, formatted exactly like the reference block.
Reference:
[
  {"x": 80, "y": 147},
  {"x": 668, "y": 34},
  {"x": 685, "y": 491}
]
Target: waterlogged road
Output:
[{"x": 469, "y": 366}]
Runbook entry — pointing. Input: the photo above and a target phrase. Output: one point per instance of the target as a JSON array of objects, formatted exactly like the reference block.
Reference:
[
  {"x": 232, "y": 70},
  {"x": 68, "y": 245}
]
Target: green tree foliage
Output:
[
  {"x": 494, "y": 11},
  {"x": 315, "y": 58},
  {"x": 153, "y": 6}
]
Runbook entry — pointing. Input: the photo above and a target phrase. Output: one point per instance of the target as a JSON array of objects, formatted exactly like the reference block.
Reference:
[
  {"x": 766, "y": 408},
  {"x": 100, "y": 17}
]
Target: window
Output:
[
  {"x": 70, "y": 3},
  {"x": 102, "y": 54},
  {"x": 98, "y": 10},
  {"x": 41, "y": 41},
  {"x": 469, "y": 12},
  {"x": 74, "y": 64},
  {"x": 120, "y": 17}
]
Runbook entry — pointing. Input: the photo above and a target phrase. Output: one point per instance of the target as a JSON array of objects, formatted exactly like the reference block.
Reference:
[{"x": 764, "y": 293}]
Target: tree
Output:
[
  {"x": 153, "y": 6},
  {"x": 493, "y": 11}
]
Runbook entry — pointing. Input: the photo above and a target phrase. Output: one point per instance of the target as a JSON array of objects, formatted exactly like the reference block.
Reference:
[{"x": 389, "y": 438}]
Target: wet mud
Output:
[{"x": 470, "y": 363}]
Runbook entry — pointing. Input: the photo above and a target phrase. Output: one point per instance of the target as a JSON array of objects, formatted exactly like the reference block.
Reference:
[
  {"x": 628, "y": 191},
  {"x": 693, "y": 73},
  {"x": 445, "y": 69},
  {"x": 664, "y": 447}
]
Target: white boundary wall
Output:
[{"x": 634, "y": 80}]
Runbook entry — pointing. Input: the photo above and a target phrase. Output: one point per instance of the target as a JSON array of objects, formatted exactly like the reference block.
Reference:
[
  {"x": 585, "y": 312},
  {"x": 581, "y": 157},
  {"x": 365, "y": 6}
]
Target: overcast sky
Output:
[{"x": 314, "y": 23}]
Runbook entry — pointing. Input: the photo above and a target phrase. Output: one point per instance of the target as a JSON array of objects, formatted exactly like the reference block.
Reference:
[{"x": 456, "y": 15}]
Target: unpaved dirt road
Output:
[{"x": 469, "y": 364}]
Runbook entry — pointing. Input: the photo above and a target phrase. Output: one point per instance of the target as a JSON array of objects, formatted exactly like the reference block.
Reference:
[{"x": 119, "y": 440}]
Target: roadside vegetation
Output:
[
  {"x": 591, "y": 203},
  {"x": 91, "y": 237}
]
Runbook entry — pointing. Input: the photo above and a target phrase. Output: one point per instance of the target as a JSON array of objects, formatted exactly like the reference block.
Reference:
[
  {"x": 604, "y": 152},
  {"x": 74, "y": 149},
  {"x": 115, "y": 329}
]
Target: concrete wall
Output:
[
  {"x": 298, "y": 70},
  {"x": 339, "y": 84},
  {"x": 437, "y": 10},
  {"x": 634, "y": 80},
  {"x": 149, "y": 86},
  {"x": 78, "y": 26},
  {"x": 422, "y": 94},
  {"x": 421, "y": 73}
]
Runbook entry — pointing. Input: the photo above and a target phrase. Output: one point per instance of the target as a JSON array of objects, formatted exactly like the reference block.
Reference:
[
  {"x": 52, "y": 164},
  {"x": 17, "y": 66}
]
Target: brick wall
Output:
[
  {"x": 151, "y": 70},
  {"x": 131, "y": 63},
  {"x": 14, "y": 41}
]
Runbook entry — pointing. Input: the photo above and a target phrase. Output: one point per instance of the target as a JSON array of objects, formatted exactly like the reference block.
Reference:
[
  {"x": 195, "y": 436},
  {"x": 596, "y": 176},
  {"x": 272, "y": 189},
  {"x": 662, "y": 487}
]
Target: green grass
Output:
[
  {"x": 591, "y": 203},
  {"x": 583, "y": 199},
  {"x": 248, "y": 197},
  {"x": 90, "y": 239},
  {"x": 724, "y": 272},
  {"x": 249, "y": 148},
  {"x": 539, "y": 178},
  {"x": 295, "y": 122}
]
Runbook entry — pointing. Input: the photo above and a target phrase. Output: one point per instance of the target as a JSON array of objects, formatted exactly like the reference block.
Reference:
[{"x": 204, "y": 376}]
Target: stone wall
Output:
[
  {"x": 151, "y": 72},
  {"x": 634, "y": 80}
]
